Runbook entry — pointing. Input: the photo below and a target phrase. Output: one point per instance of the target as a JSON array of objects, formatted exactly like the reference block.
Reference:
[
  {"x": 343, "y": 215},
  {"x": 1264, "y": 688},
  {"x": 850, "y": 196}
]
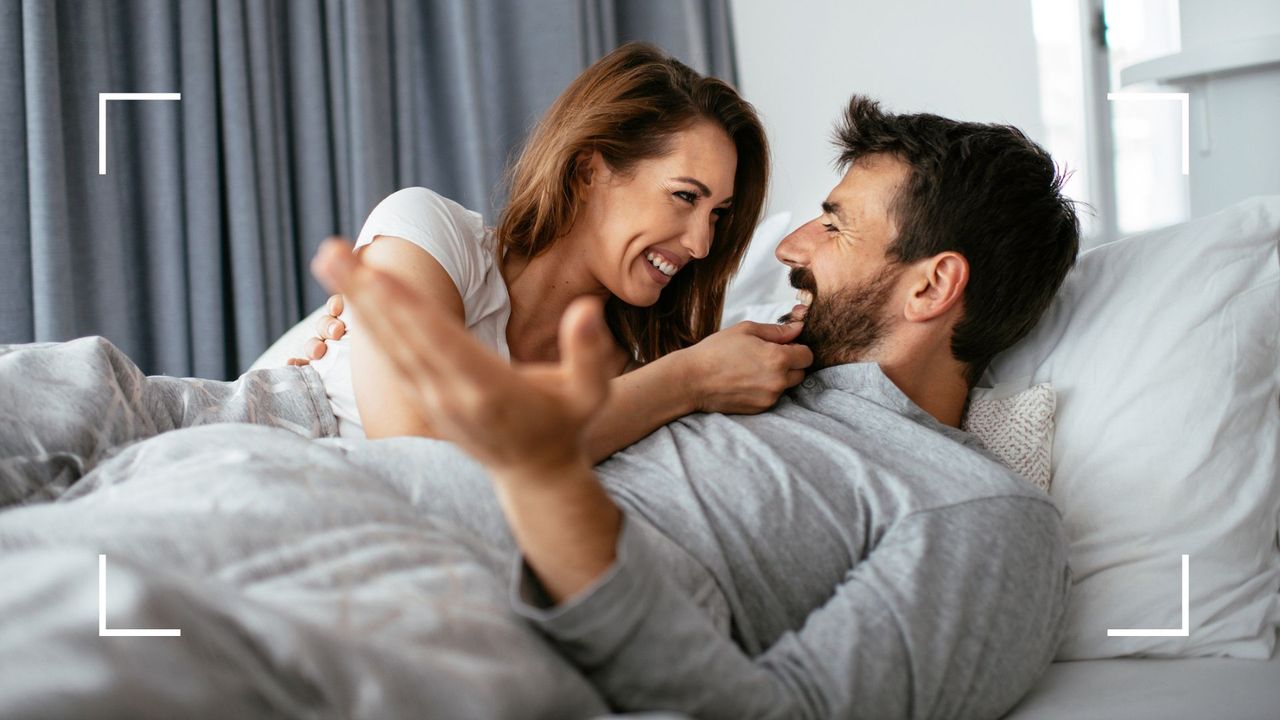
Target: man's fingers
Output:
[
  {"x": 333, "y": 264},
  {"x": 585, "y": 349},
  {"x": 773, "y": 332}
]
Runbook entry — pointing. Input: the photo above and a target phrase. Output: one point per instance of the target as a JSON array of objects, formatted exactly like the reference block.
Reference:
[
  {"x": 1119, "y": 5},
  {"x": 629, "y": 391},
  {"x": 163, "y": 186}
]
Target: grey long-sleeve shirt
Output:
[{"x": 875, "y": 562}]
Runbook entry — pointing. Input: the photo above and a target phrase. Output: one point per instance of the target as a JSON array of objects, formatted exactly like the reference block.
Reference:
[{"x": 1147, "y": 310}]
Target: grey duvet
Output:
[{"x": 308, "y": 577}]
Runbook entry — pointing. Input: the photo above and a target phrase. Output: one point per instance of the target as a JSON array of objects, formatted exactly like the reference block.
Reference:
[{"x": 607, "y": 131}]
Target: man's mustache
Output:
[{"x": 802, "y": 279}]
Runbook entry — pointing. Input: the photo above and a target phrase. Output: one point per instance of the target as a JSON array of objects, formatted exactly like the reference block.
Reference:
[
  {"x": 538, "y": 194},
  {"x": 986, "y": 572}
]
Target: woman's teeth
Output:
[
  {"x": 663, "y": 266},
  {"x": 805, "y": 297}
]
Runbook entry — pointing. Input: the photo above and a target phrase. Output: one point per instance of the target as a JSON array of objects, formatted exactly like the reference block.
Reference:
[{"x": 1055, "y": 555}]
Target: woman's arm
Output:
[
  {"x": 386, "y": 404},
  {"x": 742, "y": 369}
]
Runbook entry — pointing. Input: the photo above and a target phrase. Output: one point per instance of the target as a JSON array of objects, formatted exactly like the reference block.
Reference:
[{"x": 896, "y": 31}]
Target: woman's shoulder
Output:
[
  {"x": 428, "y": 207},
  {"x": 428, "y": 219}
]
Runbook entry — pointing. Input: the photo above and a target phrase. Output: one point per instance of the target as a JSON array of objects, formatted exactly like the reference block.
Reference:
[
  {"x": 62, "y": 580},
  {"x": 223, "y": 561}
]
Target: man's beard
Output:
[{"x": 843, "y": 326}]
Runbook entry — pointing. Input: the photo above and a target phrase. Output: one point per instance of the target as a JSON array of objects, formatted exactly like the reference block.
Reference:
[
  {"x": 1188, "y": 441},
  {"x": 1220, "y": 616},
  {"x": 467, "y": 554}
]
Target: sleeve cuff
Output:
[{"x": 593, "y": 623}]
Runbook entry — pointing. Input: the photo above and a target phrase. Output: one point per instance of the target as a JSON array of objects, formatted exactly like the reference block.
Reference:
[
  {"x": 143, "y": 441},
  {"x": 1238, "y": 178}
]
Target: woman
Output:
[{"x": 642, "y": 185}]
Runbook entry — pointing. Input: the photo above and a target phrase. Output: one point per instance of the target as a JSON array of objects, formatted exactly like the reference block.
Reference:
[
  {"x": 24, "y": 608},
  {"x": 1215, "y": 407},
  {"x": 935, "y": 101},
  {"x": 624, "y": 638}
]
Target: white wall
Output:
[
  {"x": 1235, "y": 148},
  {"x": 800, "y": 60}
]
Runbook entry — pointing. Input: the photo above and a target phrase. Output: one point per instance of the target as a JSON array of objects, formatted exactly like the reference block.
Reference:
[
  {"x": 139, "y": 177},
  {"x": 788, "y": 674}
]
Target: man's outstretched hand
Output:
[
  {"x": 525, "y": 424},
  {"x": 507, "y": 417}
]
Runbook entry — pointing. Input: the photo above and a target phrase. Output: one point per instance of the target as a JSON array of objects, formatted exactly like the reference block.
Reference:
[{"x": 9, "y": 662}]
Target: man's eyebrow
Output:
[
  {"x": 831, "y": 208},
  {"x": 702, "y": 187}
]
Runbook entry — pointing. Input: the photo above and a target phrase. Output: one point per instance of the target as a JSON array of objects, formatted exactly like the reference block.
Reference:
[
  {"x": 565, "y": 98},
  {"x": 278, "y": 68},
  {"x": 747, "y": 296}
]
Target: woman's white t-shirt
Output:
[{"x": 457, "y": 238}]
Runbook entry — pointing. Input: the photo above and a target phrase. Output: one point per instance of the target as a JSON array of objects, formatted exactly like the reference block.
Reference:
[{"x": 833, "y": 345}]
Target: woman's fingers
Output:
[
  {"x": 297, "y": 362},
  {"x": 773, "y": 332},
  {"x": 798, "y": 356},
  {"x": 330, "y": 328},
  {"x": 334, "y": 305},
  {"x": 315, "y": 348}
]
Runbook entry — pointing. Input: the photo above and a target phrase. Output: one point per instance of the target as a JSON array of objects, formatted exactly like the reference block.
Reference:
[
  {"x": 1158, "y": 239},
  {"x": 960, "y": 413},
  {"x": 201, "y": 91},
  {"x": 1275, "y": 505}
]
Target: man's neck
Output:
[{"x": 934, "y": 381}]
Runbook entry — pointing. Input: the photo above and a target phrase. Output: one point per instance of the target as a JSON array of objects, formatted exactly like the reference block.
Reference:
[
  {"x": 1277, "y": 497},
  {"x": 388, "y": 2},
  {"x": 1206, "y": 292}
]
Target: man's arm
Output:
[{"x": 954, "y": 614}]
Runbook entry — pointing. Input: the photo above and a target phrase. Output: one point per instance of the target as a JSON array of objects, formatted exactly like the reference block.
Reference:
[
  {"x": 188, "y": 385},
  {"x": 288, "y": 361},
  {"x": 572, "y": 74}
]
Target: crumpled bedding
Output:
[{"x": 309, "y": 578}]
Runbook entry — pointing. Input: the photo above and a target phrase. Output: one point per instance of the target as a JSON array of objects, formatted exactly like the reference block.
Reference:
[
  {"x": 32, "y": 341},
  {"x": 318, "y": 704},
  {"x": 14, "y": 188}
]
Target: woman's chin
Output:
[
  {"x": 643, "y": 300},
  {"x": 638, "y": 294}
]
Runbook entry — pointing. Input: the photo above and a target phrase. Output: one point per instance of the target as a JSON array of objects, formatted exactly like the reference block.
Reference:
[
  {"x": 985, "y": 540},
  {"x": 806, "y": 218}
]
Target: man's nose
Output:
[{"x": 796, "y": 248}]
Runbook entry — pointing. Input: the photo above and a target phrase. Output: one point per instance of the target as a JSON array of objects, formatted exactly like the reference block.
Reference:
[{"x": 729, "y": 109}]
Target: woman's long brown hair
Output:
[{"x": 628, "y": 106}]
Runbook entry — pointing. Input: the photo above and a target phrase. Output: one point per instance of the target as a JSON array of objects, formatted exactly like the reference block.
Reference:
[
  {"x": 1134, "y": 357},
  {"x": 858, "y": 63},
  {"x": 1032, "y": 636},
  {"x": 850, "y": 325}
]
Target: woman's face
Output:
[{"x": 640, "y": 229}]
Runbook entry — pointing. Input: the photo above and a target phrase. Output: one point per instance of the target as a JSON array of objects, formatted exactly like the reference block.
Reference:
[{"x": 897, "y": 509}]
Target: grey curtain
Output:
[{"x": 296, "y": 118}]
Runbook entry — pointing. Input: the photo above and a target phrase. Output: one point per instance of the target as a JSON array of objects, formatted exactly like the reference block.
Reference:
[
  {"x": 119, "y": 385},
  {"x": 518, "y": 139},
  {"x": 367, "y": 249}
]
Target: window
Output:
[
  {"x": 1125, "y": 156},
  {"x": 1151, "y": 190}
]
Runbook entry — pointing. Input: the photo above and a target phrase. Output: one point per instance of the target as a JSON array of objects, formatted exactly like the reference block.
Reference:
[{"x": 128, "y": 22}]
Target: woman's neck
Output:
[{"x": 541, "y": 289}]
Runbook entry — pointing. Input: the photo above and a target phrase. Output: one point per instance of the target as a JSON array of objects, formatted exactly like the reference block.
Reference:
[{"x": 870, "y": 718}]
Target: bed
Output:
[
  {"x": 1155, "y": 689},
  {"x": 1188, "y": 315}
]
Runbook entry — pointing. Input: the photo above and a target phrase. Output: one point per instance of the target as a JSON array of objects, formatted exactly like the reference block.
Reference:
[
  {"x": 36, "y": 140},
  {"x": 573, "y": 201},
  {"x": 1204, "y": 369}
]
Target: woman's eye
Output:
[
  {"x": 719, "y": 213},
  {"x": 686, "y": 196}
]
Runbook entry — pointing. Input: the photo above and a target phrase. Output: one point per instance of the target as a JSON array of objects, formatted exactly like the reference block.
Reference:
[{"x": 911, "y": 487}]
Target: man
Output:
[{"x": 873, "y": 559}]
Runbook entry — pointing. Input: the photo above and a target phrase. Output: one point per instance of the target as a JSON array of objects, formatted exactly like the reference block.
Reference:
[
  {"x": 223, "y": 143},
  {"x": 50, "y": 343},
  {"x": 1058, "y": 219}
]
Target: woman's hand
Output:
[
  {"x": 745, "y": 368},
  {"x": 330, "y": 327},
  {"x": 741, "y": 370}
]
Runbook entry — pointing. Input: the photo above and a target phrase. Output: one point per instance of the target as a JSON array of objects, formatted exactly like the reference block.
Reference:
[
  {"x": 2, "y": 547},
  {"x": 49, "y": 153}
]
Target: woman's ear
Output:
[
  {"x": 938, "y": 287},
  {"x": 585, "y": 163}
]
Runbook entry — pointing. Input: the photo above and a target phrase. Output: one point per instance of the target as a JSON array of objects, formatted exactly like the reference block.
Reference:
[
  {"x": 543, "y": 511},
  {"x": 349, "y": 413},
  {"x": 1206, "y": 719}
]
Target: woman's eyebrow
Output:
[{"x": 702, "y": 187}]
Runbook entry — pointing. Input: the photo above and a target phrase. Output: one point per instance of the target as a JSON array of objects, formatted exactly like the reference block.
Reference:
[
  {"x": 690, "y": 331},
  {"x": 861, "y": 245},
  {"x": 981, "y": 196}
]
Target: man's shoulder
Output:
[{"x": 853, "y": 444}]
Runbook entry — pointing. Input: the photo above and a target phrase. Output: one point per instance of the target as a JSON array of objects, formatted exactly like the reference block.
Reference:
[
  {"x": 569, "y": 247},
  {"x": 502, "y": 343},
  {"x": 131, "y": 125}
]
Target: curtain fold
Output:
[{"x": 296, "y": 118}]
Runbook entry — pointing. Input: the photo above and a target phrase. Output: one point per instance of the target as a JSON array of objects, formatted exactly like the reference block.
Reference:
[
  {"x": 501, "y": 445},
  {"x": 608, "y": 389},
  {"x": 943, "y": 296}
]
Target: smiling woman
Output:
[{"x": 641, "y": 186}]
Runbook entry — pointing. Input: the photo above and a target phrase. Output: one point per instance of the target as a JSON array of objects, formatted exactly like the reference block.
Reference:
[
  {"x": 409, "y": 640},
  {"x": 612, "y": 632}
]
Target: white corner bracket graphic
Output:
[
  {"x": 103, "y": 630},
  {"x": 102, "y": 118},
  {"x": 1186, "y": 612},
  {"x": 1185, "y": 99}
]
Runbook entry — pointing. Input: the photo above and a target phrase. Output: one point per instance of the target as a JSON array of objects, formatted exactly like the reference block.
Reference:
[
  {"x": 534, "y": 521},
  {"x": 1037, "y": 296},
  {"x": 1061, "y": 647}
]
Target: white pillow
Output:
[
  {"x": 761, "y": 280},
  {"x": 1163, "y": 351}
]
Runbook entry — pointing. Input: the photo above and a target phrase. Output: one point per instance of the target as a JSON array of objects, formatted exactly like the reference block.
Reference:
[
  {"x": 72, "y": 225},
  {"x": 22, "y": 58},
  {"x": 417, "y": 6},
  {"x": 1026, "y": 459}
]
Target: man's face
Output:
[{"x": 838, "y": 258}]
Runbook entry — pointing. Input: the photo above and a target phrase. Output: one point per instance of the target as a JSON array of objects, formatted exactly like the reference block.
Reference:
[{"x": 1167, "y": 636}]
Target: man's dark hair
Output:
[{"x": 987, "y": 192}]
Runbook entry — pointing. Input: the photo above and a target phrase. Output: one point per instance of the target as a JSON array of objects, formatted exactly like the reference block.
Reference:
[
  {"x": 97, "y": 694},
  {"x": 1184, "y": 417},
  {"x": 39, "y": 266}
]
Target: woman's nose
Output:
[{"x": 698, "y": 241}]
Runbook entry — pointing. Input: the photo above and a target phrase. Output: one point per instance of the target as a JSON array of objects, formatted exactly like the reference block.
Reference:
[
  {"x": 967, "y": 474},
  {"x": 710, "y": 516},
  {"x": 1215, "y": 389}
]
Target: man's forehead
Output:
[{"x": 867, "y": 190}]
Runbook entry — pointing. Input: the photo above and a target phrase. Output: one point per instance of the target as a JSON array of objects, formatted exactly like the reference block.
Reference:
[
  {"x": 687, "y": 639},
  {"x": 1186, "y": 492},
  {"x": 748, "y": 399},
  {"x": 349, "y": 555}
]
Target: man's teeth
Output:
[
  {"x": 663, "y": 266},
  {"x": 805, "y": 297}
]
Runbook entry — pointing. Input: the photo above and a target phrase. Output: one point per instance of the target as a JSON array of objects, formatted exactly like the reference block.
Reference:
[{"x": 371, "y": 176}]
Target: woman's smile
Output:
[{"x": 658, "y": 276}]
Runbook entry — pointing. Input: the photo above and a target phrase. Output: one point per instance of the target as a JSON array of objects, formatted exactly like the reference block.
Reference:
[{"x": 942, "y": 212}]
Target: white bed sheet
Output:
[{"x": 1150, "y": 688}]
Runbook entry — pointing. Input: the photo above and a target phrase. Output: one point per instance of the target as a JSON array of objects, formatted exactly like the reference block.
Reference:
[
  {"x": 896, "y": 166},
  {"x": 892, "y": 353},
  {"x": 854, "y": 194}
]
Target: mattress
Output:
[{"x": 1139, "y": 688}]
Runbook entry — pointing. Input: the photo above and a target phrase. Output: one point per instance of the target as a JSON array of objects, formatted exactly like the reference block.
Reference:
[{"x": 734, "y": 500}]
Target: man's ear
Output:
[{"x": 938, "y": 286}]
